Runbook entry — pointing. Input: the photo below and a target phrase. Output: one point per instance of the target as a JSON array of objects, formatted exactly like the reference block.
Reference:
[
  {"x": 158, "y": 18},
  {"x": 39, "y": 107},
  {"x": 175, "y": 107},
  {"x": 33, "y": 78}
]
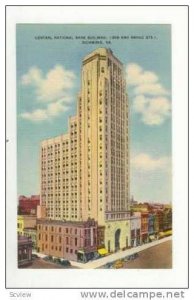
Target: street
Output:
[
  {"x": 40, "y": 263},
  {"x": 157, "y": 257}
]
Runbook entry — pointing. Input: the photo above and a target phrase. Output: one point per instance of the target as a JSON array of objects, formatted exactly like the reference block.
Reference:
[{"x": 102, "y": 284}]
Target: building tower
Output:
[
  {"x": 85, "y": 173},
  {"x": 104, "y": 143}
]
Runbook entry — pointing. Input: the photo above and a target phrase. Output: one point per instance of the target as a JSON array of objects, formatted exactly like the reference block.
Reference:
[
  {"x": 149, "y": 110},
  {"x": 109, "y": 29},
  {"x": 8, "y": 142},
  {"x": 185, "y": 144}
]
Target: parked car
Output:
[
  {"x": 125, "y": 259},
  {"x": 136, "y": 255},
  {"x": 118, "y": 264},
  {"x": 48, "y": 258},
  {"x": 35, "y": 256},
  {"x": 65, "y": 263},
  {"x": 57, "y": 260},
  {"x": 109, "y": 265},
  {"x": 131, "y": 257}
]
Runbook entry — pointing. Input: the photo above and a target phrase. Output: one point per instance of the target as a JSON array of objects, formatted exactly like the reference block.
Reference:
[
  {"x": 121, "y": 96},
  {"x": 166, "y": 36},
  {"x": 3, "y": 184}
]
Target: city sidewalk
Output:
[{"x": 118, "y": 255}]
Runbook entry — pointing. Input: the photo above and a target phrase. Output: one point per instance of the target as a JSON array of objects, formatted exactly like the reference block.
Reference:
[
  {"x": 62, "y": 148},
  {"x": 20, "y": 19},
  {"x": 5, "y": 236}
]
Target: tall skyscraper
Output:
[{"x": 85, "y": 173}]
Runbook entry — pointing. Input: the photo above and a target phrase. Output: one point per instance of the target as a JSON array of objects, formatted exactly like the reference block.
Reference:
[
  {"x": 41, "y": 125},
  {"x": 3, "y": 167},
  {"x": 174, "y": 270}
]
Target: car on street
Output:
[{"x": 118, "y": 264}]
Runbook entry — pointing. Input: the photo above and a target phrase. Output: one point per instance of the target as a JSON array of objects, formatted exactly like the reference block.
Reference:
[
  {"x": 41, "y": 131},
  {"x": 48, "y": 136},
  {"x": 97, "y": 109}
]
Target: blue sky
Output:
[{"x": 43, "y": 109}]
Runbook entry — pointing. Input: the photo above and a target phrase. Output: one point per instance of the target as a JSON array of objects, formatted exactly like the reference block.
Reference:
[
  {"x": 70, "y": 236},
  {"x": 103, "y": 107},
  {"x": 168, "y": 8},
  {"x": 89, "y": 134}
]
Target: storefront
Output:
[
  {"x": 152, "y": 238},
  {"x": 144, "y": 238},
  {"x": 102, "y": 252},
  {"x": 24, "y": 251},
  {"x": 84, "y": 257}
]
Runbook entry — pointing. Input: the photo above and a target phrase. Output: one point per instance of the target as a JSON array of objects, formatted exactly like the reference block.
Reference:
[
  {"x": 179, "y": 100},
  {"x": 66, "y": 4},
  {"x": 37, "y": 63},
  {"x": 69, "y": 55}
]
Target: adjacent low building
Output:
[
  {"x": 24, "y": 251},
  {"x": 31, "y": 233},
  {"x": 135, "y": 227},
  {"x": 67, "y": 239},
  {"x": 144, "y": 227},
  {"x": 151, "y": 228}
]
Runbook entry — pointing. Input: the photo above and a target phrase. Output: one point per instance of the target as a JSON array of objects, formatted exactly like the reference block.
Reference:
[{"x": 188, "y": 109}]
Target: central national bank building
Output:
[{"x": 85, "y": 172}]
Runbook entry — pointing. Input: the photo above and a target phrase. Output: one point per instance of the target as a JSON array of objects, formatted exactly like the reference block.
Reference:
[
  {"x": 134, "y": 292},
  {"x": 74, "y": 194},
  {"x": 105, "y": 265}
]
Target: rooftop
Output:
[
  {"x": 101, "y": 52},
  {"x": 64, "y": 223}
]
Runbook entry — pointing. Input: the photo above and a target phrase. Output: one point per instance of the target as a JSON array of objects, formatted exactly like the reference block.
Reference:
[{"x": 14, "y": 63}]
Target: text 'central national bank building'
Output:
[{"x": 85, "y": 173}]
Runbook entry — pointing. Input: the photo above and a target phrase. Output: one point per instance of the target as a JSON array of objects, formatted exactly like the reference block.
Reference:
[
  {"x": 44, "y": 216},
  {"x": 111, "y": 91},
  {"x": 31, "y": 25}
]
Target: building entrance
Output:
[{"x": 117, "y": 239}]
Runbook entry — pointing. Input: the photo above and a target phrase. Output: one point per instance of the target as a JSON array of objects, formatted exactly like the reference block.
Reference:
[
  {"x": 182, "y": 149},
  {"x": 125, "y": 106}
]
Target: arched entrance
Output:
[{"x": 117, "y": 239}]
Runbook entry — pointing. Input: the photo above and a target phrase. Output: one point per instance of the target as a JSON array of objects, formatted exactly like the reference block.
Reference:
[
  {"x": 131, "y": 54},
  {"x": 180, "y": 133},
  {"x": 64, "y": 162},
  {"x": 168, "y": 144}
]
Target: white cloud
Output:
[
  {"x": 145, "y": 162},
  {"x": 135, "y": 75},
  {"x": 153, "y": 89},
  {"x": 150, "y": 97},
  {"x": 52, "y": 89},
  {"x": 37, "y": 115},
  {"x": 51, "y": 111},
  {"x": 56, "y": 84},
  {"x": 154, "y": 111},
  {"x": 33, "y": 77}
]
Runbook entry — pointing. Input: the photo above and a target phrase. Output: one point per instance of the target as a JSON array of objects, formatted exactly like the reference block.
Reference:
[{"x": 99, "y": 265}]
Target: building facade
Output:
[
  {"x": 31, "y": 232},
  {"x": 24, "y": 251},
  {"x": 135, "y": 227},
  {"x": 85, "y": 173},
  {"x": 144, "y": 227},
  {"x": 67, "y": 239},
  {"x": 25, "y": 221},
  {"x": 151, "y": 226},
  {"x": 28, "y": 205}
]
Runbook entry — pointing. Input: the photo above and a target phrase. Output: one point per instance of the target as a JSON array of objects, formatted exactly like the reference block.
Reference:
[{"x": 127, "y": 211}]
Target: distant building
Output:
[
  {"x": 31, "y": 233},
  {"x": 135, "y": 227},
  {"x": 151, "y": 228},
  {"x": 156, "y": 225},
  {"x": 140, "y": 207},
  {"x": 24, "y": 251},
  {"x": 25, "y": 221},
  {"x": 167, "y": 219},
  {"x": 144, "y": 227},
  {"x": 28, "y": 205},
  {"x": 132, "y": 202}
]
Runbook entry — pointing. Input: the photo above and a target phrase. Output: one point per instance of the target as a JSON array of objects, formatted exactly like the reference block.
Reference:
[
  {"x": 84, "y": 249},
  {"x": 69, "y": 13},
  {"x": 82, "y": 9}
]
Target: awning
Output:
[
  {"x": 161, "y": 234},
  {"x": 168, "y": 232},
  {"x": 80, "y": 251},
  {"x": 102, "y": 251}
]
